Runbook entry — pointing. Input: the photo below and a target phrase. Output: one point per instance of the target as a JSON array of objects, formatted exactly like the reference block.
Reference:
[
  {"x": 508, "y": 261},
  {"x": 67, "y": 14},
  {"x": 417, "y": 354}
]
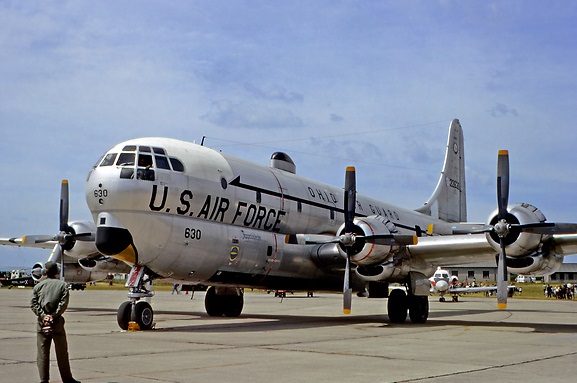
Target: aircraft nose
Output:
[
  {"x": 115, "y": 241},
  {"x": 442, "y": 285}
]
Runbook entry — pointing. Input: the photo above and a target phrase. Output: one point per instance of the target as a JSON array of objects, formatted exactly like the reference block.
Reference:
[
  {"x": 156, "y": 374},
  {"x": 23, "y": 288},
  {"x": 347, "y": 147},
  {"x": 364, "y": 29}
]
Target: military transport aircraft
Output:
[{"x": 181, "y": 211}]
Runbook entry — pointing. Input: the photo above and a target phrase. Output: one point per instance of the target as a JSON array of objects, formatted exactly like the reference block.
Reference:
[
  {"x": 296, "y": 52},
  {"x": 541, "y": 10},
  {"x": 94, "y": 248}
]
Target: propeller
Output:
[
  {"x": 66, "y": 236},
  {"x": 502, "y": 227},
  {"x": 350, "y": 201},
  {"x": 349, "y": 237}
]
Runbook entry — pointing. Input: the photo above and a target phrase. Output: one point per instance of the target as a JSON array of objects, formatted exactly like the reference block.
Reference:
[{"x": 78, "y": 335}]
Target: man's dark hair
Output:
[{"x": 51, "y": 269}]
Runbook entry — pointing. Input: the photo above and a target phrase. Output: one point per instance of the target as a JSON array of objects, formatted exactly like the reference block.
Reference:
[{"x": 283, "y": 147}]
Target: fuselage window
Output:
[
  {"x": 159, "y": 151},
  {"x": 162, "y": 162},
  {"x": 129, "y": 148},
  {"x": 125, "y": 159},
  {"x": 108, "y": 159},
  {"x": 144, "y": 149},
  {"x": 176, "y": 164}
]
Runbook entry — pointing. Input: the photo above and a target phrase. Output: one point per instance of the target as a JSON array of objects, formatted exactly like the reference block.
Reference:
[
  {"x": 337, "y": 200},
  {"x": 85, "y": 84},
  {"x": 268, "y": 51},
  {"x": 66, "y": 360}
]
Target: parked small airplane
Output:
[
  {"x": 181, "y": 211},
  {"x": 443, "y": 283}
]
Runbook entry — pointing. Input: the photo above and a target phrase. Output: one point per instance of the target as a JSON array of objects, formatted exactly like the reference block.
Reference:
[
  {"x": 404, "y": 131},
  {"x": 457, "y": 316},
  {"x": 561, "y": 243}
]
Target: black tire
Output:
[
  {"x": 123, "y": 314},
  {"x": 213, "y": 303},
  {"x": 397, "y": 306},
  {"x": 233, "y": 305},
  {"x": 418, "y": 309},
  {"x": 144, "y": 315}
]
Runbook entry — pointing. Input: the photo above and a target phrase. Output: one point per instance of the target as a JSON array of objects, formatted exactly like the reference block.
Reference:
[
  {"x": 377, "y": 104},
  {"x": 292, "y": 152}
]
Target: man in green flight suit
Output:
[{"x": 49, "y": 301}]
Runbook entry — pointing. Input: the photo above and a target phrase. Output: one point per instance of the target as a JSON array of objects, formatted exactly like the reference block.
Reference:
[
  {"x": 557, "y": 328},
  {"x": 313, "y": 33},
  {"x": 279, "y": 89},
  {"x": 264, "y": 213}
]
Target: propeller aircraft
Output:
[{"x": 169, "y": 209}]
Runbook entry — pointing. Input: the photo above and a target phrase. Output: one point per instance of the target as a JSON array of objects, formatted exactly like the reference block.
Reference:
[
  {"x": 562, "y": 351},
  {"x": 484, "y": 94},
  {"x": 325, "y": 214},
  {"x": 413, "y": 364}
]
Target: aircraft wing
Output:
[
  {"x": 452, "y": 250},
  {"x": 472, "y": 248},
  {"x": 23, "y": 242},
  {"x": 468, "y": 290}
]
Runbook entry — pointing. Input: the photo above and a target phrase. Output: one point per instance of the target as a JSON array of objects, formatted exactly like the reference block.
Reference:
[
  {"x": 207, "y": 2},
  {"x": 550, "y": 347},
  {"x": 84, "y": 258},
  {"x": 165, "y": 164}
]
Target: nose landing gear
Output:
[{"x": 137, "y": 314}]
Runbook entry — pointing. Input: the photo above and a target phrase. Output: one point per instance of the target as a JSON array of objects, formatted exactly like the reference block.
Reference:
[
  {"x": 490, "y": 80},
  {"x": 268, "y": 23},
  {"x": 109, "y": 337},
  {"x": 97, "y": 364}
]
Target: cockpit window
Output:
[
  {"x": 144, "y": 149},
  {"x": 108, "y": 159},
  {"x": 144, "y": 160},
  {"x": 129, "y": 148},
  {"x": 125, "y": 159},
  {"x": 98, "y": 162},
  {"x": 176, "y": 164},
  {"x": 162, "y": 162},
  {"x": 158, "y": 151}
]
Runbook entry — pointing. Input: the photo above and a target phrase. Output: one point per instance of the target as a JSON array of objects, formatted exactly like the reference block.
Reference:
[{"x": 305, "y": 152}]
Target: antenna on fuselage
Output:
[{"x": 202, "y": 142}]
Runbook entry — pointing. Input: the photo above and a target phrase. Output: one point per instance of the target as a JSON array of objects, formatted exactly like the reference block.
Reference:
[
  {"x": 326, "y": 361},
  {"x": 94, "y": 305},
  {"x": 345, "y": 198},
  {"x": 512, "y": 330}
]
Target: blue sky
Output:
[{"x": 333, "y": 83}]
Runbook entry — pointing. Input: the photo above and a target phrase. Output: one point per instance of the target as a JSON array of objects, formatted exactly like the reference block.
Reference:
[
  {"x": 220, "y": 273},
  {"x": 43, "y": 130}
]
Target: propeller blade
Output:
[
  {"x": 34, "y": 239},
  {"x": 391, "y": 239},
  {"x": 350, "y": 198},
  {"x": 86, "y": 237},
  {"x": 503, "y": 183},
  {"x": 502, "y": 279},
  {"x": 64, "y": 206},
  {"x": 548, "y": 228},
  {"x": 347, "y": 291}
]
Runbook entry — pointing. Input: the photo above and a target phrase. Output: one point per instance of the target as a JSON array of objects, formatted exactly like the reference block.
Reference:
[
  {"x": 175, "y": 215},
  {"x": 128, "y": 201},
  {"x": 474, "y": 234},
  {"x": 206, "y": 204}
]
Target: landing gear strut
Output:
[{"x": 135, "y": 310}]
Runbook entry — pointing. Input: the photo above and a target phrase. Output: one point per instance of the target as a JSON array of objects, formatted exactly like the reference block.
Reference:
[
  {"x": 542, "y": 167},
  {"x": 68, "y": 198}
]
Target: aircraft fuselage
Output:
[{"x": 214, "y": 219}]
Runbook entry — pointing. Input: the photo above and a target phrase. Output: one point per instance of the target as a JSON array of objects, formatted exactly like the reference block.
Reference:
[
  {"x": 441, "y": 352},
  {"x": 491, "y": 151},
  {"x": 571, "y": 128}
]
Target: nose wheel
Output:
[{"x": 139, "y": 312}]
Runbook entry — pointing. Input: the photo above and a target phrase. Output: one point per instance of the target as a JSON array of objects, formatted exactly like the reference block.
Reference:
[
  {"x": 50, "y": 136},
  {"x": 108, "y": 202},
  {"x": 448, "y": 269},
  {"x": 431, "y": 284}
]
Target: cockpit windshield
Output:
[{"x": 142, "y": 161}]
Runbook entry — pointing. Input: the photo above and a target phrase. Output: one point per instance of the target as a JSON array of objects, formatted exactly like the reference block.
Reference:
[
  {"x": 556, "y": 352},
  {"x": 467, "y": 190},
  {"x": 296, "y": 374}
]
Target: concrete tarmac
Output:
[{"x": 299, "y": 340}]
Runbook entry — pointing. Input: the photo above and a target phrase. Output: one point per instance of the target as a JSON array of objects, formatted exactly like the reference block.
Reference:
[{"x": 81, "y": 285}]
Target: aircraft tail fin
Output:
[{"x": 449, "y": 200}]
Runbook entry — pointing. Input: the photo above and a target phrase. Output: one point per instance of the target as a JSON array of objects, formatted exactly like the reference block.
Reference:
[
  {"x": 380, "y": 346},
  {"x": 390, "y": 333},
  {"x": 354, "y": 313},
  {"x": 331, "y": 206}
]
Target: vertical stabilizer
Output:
[{"x": 449, "y": 201}]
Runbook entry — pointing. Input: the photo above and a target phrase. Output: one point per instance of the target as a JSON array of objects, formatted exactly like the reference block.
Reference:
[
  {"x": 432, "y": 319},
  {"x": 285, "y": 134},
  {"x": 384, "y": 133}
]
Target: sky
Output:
[{"x": 372, "y": 84}]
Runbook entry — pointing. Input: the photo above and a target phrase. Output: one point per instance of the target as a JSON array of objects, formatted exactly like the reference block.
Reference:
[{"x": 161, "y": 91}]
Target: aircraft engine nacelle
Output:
[
  {"x": 364, "y": 253},
  {"x": 104, "y": 264},
  {"x": 73, "y": 273},
  {"x": 537, "y": 264},
  {"x": 518, "y": 244}
]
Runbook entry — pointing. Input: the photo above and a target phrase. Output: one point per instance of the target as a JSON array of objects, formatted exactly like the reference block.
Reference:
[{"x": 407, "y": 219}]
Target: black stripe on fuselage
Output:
[{"x": 236, "y": 182}]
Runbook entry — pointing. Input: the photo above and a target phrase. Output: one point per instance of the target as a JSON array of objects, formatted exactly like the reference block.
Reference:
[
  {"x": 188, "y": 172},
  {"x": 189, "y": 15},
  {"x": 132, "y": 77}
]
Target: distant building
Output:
[{"x": 483, "y": 272}]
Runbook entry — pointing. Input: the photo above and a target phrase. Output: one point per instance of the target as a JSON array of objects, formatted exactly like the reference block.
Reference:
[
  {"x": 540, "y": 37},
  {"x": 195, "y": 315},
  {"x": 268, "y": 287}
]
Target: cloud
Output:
[
  {"x": 250, "y": 115},
  {"x": 274, "y": 93},
  {"x": 502, "y": 110},
  {"x": 336, "y": 118}
]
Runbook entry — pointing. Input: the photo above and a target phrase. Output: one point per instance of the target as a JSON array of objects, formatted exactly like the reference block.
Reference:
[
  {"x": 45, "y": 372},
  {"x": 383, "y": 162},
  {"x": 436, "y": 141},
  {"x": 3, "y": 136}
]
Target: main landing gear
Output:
[
  {"x": 136, "y": 311},
  {"x": 399, "y": 303},
  {"x": 224, "y": 301}
]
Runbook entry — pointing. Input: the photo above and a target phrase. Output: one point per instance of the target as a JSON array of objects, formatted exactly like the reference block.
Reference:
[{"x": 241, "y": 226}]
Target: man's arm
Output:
[
  {"x": 63, "y": 303},
  {"x": 35, "y": 304}
]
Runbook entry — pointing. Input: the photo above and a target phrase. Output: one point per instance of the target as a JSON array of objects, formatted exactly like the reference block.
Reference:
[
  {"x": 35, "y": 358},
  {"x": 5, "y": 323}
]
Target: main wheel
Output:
[
  {"x": 213, "y": 303},
  {"x": 397, "y": 306},
  {"x": 233, "y": 305},
  {"x": 144, "y": 315},
  {"x": 229, "y": 304},
  {"x": 418, "y": 309},
  {"x": 123, "y": 314}
]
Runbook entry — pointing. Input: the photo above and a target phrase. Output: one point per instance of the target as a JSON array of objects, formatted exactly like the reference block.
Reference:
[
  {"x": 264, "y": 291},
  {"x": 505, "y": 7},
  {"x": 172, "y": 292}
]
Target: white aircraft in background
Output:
[
  {"x": 443, "y": 283},
  {"x": 177, "y": 210}
]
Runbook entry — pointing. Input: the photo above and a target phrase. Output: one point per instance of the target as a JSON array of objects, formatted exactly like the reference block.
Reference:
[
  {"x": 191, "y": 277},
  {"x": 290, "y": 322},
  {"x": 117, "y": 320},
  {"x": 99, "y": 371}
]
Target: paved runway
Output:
[{"x": 299, "y": 340}]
